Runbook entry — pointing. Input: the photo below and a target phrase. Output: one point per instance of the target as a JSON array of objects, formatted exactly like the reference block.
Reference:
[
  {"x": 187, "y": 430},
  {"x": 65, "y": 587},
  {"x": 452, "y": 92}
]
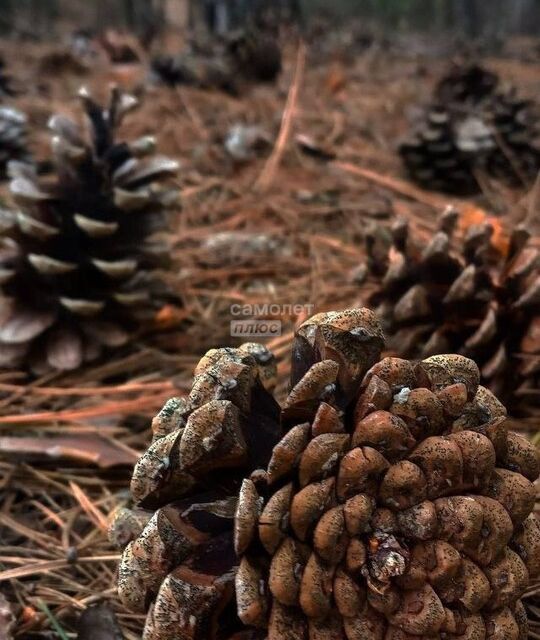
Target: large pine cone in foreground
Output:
[
  {"x": 472, "y": 297},
  {"x": 473, "y": 125},
  {"x": 396, "y": 504},
  {"x": 77, "y": 262}
]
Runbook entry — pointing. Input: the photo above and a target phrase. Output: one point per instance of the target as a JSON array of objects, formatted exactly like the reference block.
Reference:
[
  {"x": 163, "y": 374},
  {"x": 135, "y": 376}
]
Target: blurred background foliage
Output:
[{"x": 493, "y": 18}]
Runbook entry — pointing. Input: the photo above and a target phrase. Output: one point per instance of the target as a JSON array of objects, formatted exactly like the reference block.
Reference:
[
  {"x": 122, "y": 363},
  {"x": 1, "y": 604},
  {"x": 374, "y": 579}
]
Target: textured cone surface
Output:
[
  {"x": 77, "y": 263},
  {"x": 396, "y": 506},
  {"x": 180, "y": 563},
  {"x": 473, "y": 125},
  {"x": 387, "y": 501},
  {"x": 478, "y": 297}
]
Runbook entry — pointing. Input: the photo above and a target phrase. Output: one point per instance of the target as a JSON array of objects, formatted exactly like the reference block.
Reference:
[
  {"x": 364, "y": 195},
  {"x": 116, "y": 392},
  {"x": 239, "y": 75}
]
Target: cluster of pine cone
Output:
[
  {"x": 473, "y": 126},
  {"x": 384, "y": 500}
]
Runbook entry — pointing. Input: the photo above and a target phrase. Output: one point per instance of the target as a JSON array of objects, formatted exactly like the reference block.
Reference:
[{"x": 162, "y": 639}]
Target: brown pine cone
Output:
[
  {"x": 78, "y": 264},
  {"x": 472, "y": 125},
  {"x": 394, "y": 505},
  {"x": 183, "y": 563},
  {"x": 400, "y": 514},
  {"x": 474, "y": 298}
]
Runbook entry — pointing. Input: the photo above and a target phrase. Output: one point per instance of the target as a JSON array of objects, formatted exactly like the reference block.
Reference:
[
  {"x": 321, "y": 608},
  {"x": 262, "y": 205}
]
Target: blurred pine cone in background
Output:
[
  {"x": 204, "y": 72},
  {"x": 77, "y": 262},
  {"x": 255, "y": 54},
  {"x": 473, "y": 126},
  {"x": 473, "y": 297},
  {"x": 244, "y": 57},
  {"x": 13, "y": 138},
  {"x": 396, "y": 504}
]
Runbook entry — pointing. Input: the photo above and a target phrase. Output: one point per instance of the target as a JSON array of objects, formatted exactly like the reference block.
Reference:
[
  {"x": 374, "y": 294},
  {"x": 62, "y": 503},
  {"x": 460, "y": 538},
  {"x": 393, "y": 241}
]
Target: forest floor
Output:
[{"x": 290, "y": 220}]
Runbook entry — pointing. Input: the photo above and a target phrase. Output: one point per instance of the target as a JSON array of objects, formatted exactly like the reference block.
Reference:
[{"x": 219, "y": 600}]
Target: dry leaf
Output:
[
  {"x": 472, "y": 215},
  {"x": 336, "y": 79},
  {"x": 169, "y": 316}
]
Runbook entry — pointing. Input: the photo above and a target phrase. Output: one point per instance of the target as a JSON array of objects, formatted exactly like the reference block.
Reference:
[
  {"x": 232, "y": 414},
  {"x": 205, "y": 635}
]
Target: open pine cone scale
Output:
[
  {"x": 78, "y": 264},
  {"x": 392, "y": 503}
]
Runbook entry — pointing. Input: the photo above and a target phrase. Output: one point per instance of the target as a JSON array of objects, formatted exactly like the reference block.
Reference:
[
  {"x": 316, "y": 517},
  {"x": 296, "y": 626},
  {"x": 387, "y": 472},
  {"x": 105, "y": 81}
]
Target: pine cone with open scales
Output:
[
  {"x": 478, "y": 297},
  {"x": 473, "y": 127},
  {"x": 395, "y": 506}
]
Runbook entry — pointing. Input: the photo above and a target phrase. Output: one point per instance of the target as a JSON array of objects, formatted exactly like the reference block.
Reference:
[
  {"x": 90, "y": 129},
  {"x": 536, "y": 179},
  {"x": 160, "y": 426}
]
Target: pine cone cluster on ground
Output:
[
  {"x": 77, "y": 261},
  {"x": 13, "y": 138},
  {"x": 471, "y": 297},
  {"x": 473, "y": 127},
  {"x": 395, "y": 505}
]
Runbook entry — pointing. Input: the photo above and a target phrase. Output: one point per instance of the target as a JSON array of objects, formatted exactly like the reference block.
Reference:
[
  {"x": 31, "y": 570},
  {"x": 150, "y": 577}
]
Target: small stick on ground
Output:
[{"x": 266, "y": 176}]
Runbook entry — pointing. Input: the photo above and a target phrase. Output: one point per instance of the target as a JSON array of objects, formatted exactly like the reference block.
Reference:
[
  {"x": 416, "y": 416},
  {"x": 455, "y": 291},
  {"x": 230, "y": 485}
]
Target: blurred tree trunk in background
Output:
[
  {"x": 467, "y": 15},
  {"x": 29, "y": 18},
  {"x": 40, "y": 18},
  {"x": 222, "y": 15},
  {"x": 526, "y": 16},
  {"x": 177, "y": 13}
]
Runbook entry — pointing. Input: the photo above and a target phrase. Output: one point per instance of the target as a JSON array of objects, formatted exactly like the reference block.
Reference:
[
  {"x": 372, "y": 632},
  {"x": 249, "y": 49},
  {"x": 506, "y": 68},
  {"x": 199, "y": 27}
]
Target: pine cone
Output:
[
  {"x": 256, "y": 55},
  {"x": 77, "y": 263},
  {"x": 244, "y": 57},
  {"x": 439, "y": 296},
  {"x": 473, "y": 125},
  {"x": 182, "y": 564},
  {"x": 13, "y": 138},
  {"x": 203, "y": 71},
  {"x": 396, "y": 504},
  {"x": 396, "y": 507}
]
